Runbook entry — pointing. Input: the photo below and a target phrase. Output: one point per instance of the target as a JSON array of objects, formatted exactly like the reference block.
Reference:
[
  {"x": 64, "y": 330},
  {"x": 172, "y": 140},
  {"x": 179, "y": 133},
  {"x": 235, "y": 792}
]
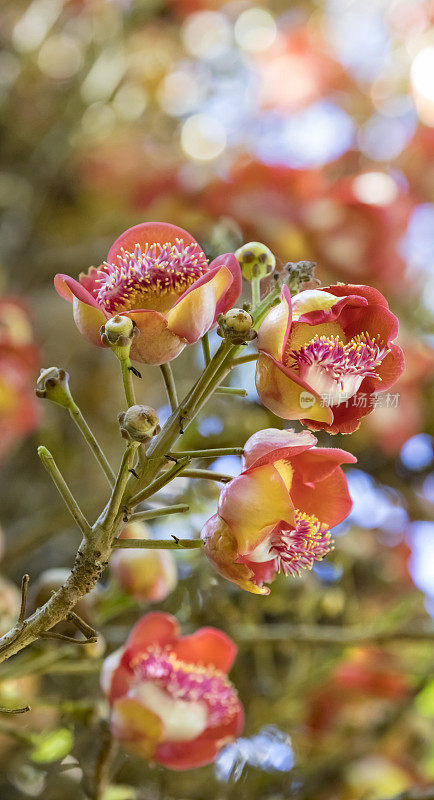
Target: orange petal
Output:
[
  {"x": 88, "y": 320},
  {"x": 285, "y": 394},
  {"x": 254, "y": 502},
  {"x": 154, "y": 628},
  {"x": 194, "y": 313},
  {"x": 208, "y": 647},
  {"x": 220, "y": 547},
  {"x": 272, "y": 444},
  {"x": 155, "y": 344},
  {"x": 136, "y": 727},
  {"x": 274, "y": 331},
  {"x": 148, "y": 233}
]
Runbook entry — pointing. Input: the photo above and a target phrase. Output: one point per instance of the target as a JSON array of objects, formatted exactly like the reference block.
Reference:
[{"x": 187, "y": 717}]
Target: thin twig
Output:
[
  {"x": 121, "y": 482},
  {"x": 205, "y": 349},
  {"x": 24, "y": 586},
  {"x": 63, "y": 489},
  {"x": 158, "y": 544},
  {"x": 63, "y": 638},
  {"x": 84, "y": 429},
  {"x": 331, "y": 634},
  {"x": 159, "y": 482},
  {"x": 22, "y": 710},
  {"x": 207, "y": 474},
  {"x": 82, "y": 626},
  {"x": 245, "y": 359},
  {"x": 231, "y": 390},
  {"x": 213, "y": 453},
  {"x": 181, "y": 508},
  {"x": 169, "y": 383},
  {"x": 127, "y": 379}
]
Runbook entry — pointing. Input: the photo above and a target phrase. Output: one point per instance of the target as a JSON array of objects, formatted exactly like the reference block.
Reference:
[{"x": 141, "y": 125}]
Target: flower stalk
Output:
[{"x": 64, "y": 490}]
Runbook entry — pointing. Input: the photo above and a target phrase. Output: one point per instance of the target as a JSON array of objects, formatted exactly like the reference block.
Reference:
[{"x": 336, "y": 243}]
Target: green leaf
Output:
[
  {"x": 424, "y": 701},
  {"x": 52, "y": 745}
]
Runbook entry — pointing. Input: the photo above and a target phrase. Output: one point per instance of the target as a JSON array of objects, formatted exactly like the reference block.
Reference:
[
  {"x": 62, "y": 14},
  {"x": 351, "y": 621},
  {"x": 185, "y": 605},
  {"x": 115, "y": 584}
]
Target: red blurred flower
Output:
[
  {"x": 323, "y": 349},
  {"x": 158, "y": 275},
  {"x": 276, "y": 515},
  {"x": 18, "y": 363},
  {"x": 172, "y": 702}
]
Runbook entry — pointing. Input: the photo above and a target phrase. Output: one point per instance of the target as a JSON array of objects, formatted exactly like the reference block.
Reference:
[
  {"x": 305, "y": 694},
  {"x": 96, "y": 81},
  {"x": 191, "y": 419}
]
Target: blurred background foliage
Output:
[{"x": 309, "y": 126}]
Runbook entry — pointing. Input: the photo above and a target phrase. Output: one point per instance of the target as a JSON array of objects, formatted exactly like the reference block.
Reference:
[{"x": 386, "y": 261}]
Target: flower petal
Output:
[
  {"x": 319, "y": 316},
  {"x": 254, "y": 502},
  {"x": 271, "y": 444},
  {"x": 208, "y": 647},
  {"x": 136, "y": 727},
  {"x": 220, "y": 547},
  {"x": 329, "y": 500},
  {"x": 89, "y": 320},
  {"x": 316, "y": 464},
  {"x": 195, "y": 311},
  {"x": 148, "y": 233},
  {"x": 373, "y": 296},
  {"x": 156, "y": 343},
  {"x": 154, "y": 628},
  {"x": 115, "y": 677},
  {"x": 200, "y": 751},
  {"x": 229, "y": 297},
  {"x": 285, "y": 394},
  {"x": 68, "y": 288},
  {"x": 274, "y": 331}
]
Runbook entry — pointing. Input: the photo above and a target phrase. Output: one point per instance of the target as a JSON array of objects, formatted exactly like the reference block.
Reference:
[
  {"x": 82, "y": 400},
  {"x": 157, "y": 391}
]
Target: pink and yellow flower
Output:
[
  {"x": 171, "y": 699},
  {"x": 147, "y": 575},
  {"x": 324, "y": 354},
  {"x": 157, "y": 274},
  {"x": 277, "y": 514}
]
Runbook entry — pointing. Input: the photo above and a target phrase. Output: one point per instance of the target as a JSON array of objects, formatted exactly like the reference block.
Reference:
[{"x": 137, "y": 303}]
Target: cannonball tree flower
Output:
[
  {"x": 324, "y": 355},
  {"x": 157, "y": 275},
  {"x": 172, "y": 702},
  {"x": 277, "y": 514},
  {"x": 147, "y": 575}
]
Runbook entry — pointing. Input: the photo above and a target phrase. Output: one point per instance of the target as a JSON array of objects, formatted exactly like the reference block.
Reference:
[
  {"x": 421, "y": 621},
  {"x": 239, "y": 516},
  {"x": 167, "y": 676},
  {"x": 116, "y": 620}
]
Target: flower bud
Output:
[
  {"x": 139, "y": 423},
  {"x": 118, "y": 330},
  {"x": 255, "y": 259},
  {"x": 9, "y": 604},
  {"x": 146, "y": 575},
  {"x": 53, "y": 384},
  {"x": 236, "y": 325}
]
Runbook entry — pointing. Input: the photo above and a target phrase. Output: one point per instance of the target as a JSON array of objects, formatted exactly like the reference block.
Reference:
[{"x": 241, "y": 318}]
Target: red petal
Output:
[
  {"x": 233, "y": 292},
  {"x": 155, "y": 628},
  {"x": 209, "y": 647},
  {"x": 68, "y": 288},
  {"x": 200, "y": 751},
  {"x": 321, "y": 316},
  {"x": 329, "y": 500},
  {"x": 373, "y": 296},
  {"x": 320, "y": 462},
  {"x": 148, "y": 233},
  {"x": 271, "y": 444}
]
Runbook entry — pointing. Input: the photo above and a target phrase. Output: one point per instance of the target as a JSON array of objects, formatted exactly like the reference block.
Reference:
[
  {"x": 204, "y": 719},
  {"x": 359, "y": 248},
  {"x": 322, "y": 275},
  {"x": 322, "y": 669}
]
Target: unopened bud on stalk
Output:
[
  {"x": 256, "y": 260},
  {"x": 236, "y": 325},
  {"x": 53, "y": 384},
  {"x": 139, "y": 423},
  {"x": 118, "y": 333}
]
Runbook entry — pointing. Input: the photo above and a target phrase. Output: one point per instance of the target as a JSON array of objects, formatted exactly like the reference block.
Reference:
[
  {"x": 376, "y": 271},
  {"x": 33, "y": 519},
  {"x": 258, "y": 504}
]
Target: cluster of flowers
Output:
[{"x": 171, "y": 699}]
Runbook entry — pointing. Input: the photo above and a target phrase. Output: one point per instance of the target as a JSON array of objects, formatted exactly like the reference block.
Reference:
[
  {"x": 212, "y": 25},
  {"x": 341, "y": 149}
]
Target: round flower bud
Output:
[
  {"x": 236, "y": 325},
  {"x": 255, "y": 259},
  {"x": 53, "y": 384},
  {"x": 139, "y": 423},
  {"x": 117, "y": 331},
  {"x": 146, "y": 575}
]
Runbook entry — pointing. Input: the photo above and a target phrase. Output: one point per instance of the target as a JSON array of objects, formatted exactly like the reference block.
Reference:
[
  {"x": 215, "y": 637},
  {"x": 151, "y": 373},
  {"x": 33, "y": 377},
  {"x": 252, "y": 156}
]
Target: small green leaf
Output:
[
  {"x": 424, "y": 701},
  {"x": 52, "y": 746}
]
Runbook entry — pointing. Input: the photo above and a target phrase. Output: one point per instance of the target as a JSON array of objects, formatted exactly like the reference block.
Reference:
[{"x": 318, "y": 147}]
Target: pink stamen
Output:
[
  {"x": 153, "y": 269},
  {"x": 297, "y": 549},
  {"x": 359, "y": 357},
  {"x": 191, "y": 682}
]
